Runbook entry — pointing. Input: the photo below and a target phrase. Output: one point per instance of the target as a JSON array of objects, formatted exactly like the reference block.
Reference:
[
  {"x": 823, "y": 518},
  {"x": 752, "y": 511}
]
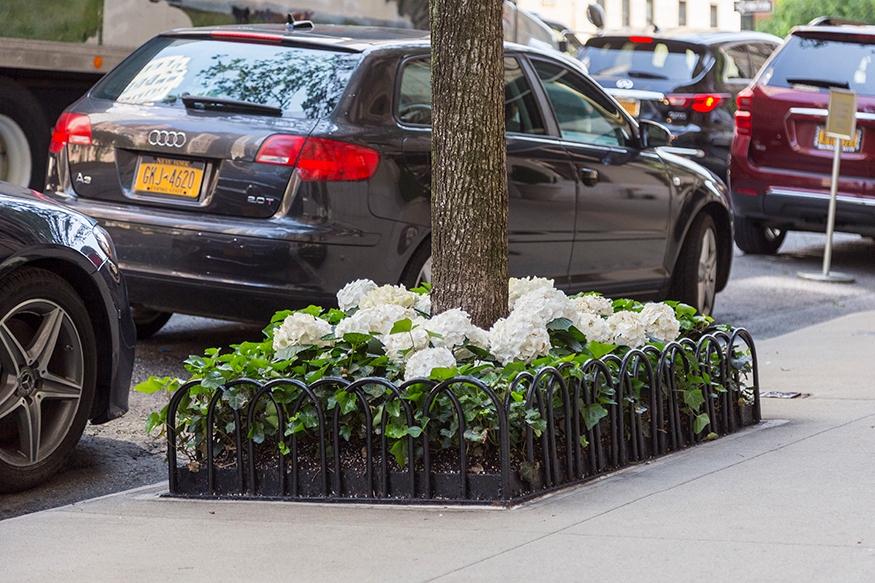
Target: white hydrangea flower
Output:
[
  {"x": 378, "y": 320},
  {"x": 423, "y": 303},
  {"x": 627, "y": 329},
  {"x": 421, "y": 363},
  {"x": 593, "y": 304},
  {"x": 546, "y": 304},
  {"x": 594, "y": 327},
  {"x": 519, "y": 337},
  {"x": 301, "y": 329},
  {"x": 660, "y": 322},
  {"x": 518, "y": 287},
  {"x": 453, "y": 327},
  {"x": 402, "y": 345},
  {"x": 389, "y": 294},
  {"x": 353, "y": 292}
]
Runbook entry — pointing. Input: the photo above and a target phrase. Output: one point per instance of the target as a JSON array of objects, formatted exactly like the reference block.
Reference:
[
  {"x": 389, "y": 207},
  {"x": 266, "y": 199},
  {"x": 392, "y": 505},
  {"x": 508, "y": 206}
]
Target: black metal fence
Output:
[{"x": 557, "y": 427}]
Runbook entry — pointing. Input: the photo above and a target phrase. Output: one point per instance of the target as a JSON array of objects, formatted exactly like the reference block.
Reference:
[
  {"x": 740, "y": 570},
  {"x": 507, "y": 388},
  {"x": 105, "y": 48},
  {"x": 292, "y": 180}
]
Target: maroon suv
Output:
[{"x": 781, "y": 160}]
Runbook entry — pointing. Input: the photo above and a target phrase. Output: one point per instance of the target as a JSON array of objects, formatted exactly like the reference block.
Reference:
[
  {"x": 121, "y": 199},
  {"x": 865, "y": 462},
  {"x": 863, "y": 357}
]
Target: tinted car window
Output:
[
  {"x": 520, "y": 108},
  {"x": 737, "y": 63},
  {"x": 583, "y": 114},
  {"x": 758, "y": 53},
  {"x": 302, "y": 82},
  {"x": 817, "y": 61},
  {"x": 648, "y": 60}
]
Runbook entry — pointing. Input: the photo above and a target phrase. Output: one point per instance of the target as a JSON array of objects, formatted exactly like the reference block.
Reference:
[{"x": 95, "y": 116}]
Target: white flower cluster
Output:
[
  {"x": 439, "y": 341},
  {"x": 301, "y": 329},
  {"x": 424, "y": 361}
]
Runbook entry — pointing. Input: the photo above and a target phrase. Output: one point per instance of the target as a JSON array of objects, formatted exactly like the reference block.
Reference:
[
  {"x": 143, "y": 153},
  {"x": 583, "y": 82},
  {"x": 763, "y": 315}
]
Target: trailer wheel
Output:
[{"x": 24, "y": 136}]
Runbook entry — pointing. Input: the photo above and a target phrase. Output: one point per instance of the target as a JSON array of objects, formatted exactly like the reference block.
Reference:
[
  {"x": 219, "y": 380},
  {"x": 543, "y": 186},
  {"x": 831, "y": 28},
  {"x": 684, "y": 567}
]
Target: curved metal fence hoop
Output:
[
  {"x": 446, "y": 387},
  {"x": 743, "y": 335},
  {"x": 250, "y": 417},
  {"x": 633, "y": 362},
  {"x": 711, "y": 346},
  {"x": 591, "y": 398},
  {"x": 395, "y": 393},
  {"x": 554, "y": 377},
  {"x": 171, "y": 431},
  {"x": 667, "y": 372},
  {"x": 238, "y": 432},
  {"x": 306, "y": 394}
]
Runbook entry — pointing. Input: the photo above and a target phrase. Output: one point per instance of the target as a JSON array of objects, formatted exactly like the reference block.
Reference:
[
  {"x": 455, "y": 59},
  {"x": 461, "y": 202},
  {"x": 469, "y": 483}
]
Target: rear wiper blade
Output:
[
  {"x": 207, "y": 103},
  {"x": 818, "y": 83},
  {"x": 645, "y": 75}
]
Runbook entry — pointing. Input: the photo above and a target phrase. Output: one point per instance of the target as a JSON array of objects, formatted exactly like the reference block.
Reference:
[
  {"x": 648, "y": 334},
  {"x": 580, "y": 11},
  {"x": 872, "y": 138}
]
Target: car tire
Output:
[
  {"x": 694, "y": 281},
  {"x": 418, "y": 269},
  {"x": 48, "y": 367},
  {"x": 148, "y": 321},
  {"x": 24, "y": 136},
  {"x": 755, "y": 239}
]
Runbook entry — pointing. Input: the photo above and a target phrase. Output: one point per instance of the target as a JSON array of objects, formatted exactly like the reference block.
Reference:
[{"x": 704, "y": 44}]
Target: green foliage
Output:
[
  {"x": 790, "y": 13},
  {"x": 288, "y": 414},
  {"x": 56, "y": 20}
]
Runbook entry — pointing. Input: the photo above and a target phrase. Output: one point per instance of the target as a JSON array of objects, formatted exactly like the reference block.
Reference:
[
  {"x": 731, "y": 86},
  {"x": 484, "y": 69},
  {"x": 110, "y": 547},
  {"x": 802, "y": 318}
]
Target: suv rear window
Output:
[
  {"x": 303, "y": 82},
  {"x": 817, "y": 61},
  {"x": 646, "y": 59}
]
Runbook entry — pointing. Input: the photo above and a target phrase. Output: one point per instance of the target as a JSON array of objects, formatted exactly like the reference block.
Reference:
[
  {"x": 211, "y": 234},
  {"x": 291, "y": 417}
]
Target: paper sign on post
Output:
[{"x": 841, "y": 119}]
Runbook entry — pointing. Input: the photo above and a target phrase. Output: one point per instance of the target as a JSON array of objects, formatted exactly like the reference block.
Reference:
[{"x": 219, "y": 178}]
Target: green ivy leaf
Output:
[
  {"x": 355, "y": 338},
  {"x": 701, "y": 422},
  {"x": 213, "y": 380},
  {"x": 694, "y": 398},
  {"x": 598, "y": 349},
  {"x": 592, "y": 414},
  {"x": 442, "y": 373},
  {"x": 405, "y": 325}
]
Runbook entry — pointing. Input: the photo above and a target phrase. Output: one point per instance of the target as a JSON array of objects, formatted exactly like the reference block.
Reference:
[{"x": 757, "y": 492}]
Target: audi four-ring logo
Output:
[
  {"x": 165, "y": 138},
  {"x": 625, "y": 83}
]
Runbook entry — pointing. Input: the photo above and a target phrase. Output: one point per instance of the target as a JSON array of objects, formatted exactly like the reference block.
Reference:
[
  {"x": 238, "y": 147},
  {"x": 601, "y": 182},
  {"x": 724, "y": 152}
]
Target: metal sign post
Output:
[{"x": 841, "y": 125}]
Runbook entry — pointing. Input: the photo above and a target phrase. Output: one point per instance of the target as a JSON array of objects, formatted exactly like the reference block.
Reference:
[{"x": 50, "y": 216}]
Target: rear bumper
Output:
[
  {"x": 244, "y": 269},
  {"x": 798, "y": 200}
]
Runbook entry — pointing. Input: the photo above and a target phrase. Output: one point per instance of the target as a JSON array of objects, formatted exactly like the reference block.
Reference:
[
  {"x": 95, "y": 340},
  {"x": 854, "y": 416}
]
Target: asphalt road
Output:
[{"x": 764, "y": 295}]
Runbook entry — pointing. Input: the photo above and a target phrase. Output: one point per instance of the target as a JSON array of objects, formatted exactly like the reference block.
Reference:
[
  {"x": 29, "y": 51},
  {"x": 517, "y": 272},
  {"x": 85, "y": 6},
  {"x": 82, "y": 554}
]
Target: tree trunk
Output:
[{"x": 469, "y": 171}]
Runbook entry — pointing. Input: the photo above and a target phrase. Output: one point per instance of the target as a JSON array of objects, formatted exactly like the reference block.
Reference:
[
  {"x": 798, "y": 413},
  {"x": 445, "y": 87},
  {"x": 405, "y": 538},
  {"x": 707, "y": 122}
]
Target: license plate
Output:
[
  {"x": 632, "y": 106},
  {"x": 824, "y": 142},
  {"x": 168, "y": 176}
]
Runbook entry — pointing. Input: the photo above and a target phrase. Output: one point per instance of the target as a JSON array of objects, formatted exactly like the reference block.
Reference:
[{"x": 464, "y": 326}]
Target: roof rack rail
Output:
[{"x": 833, "y": 21}]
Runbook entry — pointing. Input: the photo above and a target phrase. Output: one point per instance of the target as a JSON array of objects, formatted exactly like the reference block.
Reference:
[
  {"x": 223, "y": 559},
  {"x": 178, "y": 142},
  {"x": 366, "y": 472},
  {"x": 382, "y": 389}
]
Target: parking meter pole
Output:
[{"x": 831, "y": 215}]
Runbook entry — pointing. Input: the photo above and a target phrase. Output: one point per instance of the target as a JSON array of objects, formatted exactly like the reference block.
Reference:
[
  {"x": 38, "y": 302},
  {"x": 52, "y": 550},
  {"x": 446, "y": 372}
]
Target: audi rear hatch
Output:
[{"x": 212, "y": 125}]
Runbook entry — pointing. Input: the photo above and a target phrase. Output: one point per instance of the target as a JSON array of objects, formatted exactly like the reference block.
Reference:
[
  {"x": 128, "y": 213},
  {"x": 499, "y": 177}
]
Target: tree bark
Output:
[{"x": 469, "y": 170}]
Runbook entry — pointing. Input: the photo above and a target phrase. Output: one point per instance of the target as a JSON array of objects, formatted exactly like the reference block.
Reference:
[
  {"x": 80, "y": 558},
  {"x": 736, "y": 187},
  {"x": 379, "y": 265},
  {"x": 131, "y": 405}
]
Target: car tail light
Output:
[
  {"x": 701, "y": 102},
  {"x": 744, "y": 103},
  {"x": 320, "y": 159},
  {"x": 71, "y": 128},
  {"x": 280, "y": 150}
]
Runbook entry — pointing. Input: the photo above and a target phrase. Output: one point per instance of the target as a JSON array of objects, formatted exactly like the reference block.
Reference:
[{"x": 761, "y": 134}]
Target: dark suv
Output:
[
  {"x": 686, "y": 81},
  {"x": 781, "y": 158}
]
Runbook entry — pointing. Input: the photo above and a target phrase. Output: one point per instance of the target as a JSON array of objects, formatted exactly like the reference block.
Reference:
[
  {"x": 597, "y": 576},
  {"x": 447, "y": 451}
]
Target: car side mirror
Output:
[
  {"x": 596, "y": 15},
  {"x": 653, "y": 135}
]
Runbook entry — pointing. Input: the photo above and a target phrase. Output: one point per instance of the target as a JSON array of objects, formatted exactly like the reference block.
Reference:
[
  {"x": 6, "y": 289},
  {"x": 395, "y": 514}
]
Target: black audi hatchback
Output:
[
  {"x": 242, "y": 170},
  {"x": 682, "y": 79}
]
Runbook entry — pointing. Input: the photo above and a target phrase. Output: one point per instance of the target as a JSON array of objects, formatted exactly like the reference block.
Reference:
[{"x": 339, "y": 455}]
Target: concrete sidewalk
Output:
[{"x": 792, "y": 499}]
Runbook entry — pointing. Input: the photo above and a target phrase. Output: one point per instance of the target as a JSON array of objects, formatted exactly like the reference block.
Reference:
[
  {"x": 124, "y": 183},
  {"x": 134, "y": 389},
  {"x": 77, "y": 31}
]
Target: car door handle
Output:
[{"x": 589, "y": 177}]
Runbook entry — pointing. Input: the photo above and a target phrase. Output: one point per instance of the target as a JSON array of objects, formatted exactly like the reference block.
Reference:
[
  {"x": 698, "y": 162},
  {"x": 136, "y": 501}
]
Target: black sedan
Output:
[
  {"x": 243, "y": 170},
  {"x": 66, "y": 334}
]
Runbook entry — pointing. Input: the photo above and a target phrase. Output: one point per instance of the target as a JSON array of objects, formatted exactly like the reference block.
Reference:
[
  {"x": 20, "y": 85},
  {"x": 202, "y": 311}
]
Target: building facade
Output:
[{"x": 639, "y": 15}]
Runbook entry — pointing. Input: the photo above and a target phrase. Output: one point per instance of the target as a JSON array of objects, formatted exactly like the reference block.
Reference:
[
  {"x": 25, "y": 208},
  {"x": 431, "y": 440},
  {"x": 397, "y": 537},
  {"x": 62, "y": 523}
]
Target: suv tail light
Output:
[
  {"x": 744, "y": 103},
  {"x": 71, "y": 128},
  {"x": 701, "y": 102},
  {"x": 320, "y": 159}
]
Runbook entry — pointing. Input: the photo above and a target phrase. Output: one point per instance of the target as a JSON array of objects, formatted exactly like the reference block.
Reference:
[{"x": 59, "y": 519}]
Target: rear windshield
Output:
[
  {"x": 817, "y": 63},
  {"x": 650, "y": 59},
  {"x": 302, "y": 82}
]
